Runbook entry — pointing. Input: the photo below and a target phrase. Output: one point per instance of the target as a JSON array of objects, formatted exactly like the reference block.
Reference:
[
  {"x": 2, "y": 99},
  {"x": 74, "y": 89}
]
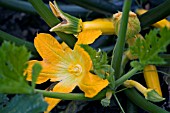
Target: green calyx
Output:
[
  {"x": 69, "y": 24},
  {"x": 153, "y": 96},
  {"x": 105, "y": 102}
]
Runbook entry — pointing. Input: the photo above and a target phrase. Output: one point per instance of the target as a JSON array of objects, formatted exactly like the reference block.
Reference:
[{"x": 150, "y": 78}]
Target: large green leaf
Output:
[
  {"x": 33, "y": 103},
  {"x": 147, "y": 50},
  {"x": 12, "y": 64}
]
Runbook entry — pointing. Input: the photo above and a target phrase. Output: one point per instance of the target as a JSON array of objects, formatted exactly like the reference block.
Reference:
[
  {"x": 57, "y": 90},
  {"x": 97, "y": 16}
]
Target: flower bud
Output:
[
  {"x": 133, "y": 26},
  {"x": 69, "y": 24},
  {"x": 105, "y": 102}
]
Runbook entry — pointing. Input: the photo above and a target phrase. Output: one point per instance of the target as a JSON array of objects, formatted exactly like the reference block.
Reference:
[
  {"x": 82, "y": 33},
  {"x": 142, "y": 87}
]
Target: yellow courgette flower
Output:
[{"x": 69, "y": 67}]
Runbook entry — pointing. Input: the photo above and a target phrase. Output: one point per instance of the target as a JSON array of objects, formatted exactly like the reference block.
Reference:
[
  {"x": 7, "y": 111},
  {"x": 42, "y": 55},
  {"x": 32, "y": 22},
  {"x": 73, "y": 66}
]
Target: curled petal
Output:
[{"x": 92, "y": 85}]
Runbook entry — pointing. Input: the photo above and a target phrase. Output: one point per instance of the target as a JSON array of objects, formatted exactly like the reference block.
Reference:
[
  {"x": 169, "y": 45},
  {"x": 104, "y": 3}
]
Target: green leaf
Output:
[
  {"x": 99, "y": 59},
  {"x": 35, "y": 72},
  {"x": 3, "y": 100},
  {"x": 147, "y": 50},
  {"x": 33, "y": 103},
  {"x": 12, "y": 64}
]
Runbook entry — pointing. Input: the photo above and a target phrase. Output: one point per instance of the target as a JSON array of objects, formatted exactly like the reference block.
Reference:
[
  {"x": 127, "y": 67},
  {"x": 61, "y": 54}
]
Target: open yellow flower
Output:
[{"x": 69, "y": 67}]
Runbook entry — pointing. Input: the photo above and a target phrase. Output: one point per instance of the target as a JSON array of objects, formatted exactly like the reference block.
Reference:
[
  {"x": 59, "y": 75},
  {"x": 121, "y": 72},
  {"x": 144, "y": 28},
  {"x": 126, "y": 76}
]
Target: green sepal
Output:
[
  {"x": 153, "y": 96},
  {"x": 69, "y": 24}
]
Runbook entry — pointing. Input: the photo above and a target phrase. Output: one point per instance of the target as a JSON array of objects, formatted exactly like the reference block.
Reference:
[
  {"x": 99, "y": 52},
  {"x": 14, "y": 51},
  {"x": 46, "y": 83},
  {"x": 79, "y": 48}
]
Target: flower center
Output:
[{"x": 75, "y": 69}]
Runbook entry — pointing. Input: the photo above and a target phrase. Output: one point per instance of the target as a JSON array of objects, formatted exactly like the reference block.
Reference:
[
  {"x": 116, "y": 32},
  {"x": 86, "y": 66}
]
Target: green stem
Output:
[
  {"x": 156, "y": 14},
  {"x": 126, "y": 76},
  {"x": 17, "y": 41},
  {"x": 119, "y": 103},
  {"x": 51, "y": 20},
  {"x": 101, "y": 6},
  {"x": 18, "y": 5},
  {"x": 24, "y": 6},
  {"x": 70, "y": 96},
  {"x": 119, "y": 47},
  {"x": 136, "y": 98}
]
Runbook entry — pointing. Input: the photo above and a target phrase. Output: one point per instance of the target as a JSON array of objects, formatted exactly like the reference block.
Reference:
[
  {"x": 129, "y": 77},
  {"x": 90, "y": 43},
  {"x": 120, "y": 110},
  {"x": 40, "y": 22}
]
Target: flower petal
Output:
[
  {"x": 46, "y": 46},
  {"x": 88, "y": 36},
  {"x": 92, "y": 85},
  {"x": 83, "y": 57},
  {"x": 46, "y": 73},
  {"x": 65, "y": 47},
  {"x": 65, "y": 86}
]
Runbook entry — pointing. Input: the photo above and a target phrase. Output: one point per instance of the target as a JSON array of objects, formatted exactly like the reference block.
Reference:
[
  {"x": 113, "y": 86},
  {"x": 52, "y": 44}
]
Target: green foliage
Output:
[
  {"x": 12, "y": 64},
  {"x": 3, "y": 100},
  {"x": 147, "y": 50},
  {"x": 33, "y": 103},
  {"x": 99, "y": 59},
  {"x": 35, "y": 72}
]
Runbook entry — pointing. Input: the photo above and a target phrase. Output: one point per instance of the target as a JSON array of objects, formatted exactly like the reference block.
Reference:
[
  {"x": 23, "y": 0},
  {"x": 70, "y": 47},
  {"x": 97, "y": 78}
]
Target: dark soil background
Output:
[{"x": 25, "y": 26}]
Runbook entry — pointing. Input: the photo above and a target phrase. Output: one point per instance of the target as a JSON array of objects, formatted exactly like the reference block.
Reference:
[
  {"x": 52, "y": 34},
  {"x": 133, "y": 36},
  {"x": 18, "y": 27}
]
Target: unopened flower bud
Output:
[
  {"x": 69, "y": 24},
  {"x": 133, "y": 26},
  {"x": 106, "y": 101}
]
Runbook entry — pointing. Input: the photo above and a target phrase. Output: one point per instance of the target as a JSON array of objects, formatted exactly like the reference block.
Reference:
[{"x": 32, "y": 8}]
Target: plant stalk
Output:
[
  {"x": 119, "y": 47},
  {"x": 126, "y": 76},
  {"x": 17, "y": 41},
  {"x": 141, "y": 102},
  {"x": 70, "y": 96},
  {"x": 156, "y": 14}
]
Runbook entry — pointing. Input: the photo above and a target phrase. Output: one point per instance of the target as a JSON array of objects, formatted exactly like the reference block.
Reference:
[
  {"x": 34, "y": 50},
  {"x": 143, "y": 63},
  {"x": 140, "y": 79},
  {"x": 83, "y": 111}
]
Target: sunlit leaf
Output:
[{"x": 12, "y": 64}]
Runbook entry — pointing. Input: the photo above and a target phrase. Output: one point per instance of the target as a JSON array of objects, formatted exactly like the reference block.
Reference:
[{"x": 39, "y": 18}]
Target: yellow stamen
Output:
[{"x": 75, "y": 69}]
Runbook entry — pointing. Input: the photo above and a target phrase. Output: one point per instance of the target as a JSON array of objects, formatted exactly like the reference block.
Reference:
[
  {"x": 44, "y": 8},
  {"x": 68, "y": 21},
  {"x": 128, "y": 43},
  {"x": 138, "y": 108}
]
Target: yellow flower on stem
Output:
[{"x": 70, "y": 67}]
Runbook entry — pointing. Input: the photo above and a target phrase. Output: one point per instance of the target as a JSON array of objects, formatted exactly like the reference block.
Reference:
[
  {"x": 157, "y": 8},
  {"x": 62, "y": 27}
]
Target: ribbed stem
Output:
[{"x": 119, "y": 47}]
